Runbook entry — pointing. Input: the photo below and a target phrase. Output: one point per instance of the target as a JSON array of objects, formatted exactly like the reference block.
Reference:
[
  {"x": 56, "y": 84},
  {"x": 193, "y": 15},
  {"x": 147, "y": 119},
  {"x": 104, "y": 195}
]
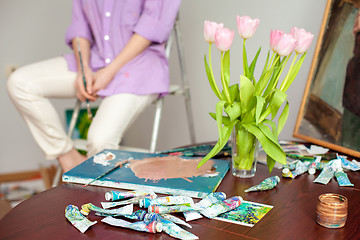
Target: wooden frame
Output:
[{"x": 321, "y": 112}]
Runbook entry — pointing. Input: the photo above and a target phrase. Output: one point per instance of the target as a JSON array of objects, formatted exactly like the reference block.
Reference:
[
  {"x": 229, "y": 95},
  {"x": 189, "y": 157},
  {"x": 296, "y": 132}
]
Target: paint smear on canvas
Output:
[{"x": 167, "y": 167}]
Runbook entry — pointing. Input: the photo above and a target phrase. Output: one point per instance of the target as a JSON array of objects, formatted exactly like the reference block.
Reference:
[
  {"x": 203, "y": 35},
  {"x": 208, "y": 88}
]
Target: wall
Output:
[{"x": 34, "y": 30}]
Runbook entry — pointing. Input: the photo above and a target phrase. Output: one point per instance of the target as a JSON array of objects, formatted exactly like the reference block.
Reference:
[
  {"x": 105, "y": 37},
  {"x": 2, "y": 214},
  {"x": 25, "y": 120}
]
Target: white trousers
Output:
[{"x": 30, "y": 88}]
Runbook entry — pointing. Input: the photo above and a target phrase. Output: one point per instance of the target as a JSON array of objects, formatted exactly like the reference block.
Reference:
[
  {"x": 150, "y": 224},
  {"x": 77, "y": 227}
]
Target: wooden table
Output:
[{"x": 293, "y": 215}]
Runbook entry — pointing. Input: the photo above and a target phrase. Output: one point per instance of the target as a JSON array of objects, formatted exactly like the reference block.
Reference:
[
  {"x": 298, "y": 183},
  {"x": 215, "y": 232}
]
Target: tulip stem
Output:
[
  {"x": 225, "y": 86},
  {"x": 218, "y": 94},
  {"x": 284, "y": 83}
]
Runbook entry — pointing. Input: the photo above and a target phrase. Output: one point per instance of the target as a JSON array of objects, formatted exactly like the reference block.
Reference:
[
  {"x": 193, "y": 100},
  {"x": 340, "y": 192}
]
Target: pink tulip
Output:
[
  {"x": 286, "y": 45},
  {"x": 210, "y": 30},
  {"x": 224, "y": 38},
  {"x": 274, "y": 39},
  {"x": 246, "y": 26},
  {"x": 303, "y": 38}
]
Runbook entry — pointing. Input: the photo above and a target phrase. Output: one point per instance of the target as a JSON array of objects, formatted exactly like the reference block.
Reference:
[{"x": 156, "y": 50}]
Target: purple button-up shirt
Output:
[{"x": 109, "y": 24}]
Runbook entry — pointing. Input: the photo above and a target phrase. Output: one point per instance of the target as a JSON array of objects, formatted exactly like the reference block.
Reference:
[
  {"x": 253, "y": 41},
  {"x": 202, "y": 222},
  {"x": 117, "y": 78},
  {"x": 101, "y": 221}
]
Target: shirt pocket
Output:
[{"x": 131, "y": 13}]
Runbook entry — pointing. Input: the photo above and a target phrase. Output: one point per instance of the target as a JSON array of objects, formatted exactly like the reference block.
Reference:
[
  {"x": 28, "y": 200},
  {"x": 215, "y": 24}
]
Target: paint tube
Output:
[
  {"x": 221, "y": 207},
  {"x": 170, "y": 200},
  {"x": 86, "y": 208},
  {"x": 292, "y": 165},
  {"x": 161, "y": 209},
  {"x": 137, "y": 215},
  {"x": 299, "y": 169},
  {"x": 175, "y": 231},
  {"x": 118, "y": 195},
  {"x": 175, "y": 220},
  {"x": 134, "y": 200},
  {"x": 169, "y": 226},
  {"x": 267, "y": 184},
  {"x": 343, "y": 179},
  {"x": 346, "y": 164},
  {"x": 314, "y": 165},
  {"x": 204, "y": 203},
  {"x": 286, "y": 173},
  {"x": 78, "y": 220},
  {"x": 325, "y": 176},
  {"x": 150, "y": 227}
]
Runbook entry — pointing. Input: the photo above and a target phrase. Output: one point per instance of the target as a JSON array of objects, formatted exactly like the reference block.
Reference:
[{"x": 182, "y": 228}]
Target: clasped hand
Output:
[{"x": 95, "y": 81}]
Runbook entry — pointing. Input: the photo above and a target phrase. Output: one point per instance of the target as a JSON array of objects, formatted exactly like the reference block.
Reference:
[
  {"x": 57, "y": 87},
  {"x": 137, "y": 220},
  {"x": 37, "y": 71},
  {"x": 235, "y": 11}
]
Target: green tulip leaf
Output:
[
  {"x": 234, "y": 93},
  {"x": 219, "y": 114},
  {"x": 283, "y": 117},
  {"x": 259, "y": 106},
  {"x": 226, "y": 67},
  {"x": 246, "y": 92},
  {"x": 225, "y": 119},
  {"x": 233, "y": 111},
  {"x": 276, "y": 101},
  {"x": 272, "y": 149},
  {"x": 270, "y": 163}
]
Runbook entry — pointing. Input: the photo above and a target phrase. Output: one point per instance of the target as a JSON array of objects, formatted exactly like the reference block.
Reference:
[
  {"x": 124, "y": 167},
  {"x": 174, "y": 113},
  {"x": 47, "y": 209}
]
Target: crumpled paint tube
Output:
[
  {"x": 78, "y": 220},
  {"x": 299, "y": 169},
  {"x": 137, "y": 215},
  {"x": 315, "y": 165},
  {"x": 86, "y": 208},
  {"x": 292, "y": 165},
  {"x": 134, "y": 200},
  {"x": 221, "y": 207},
  {"x": 161, "y": 209},
  {"x": 343, "y": 179},
  {"x": 150, "y": 227},
  {"x": 175, "y": 220},
  {"x": 267, "y": 184},
  {"x": 118, "y": 195},
  {"x": 207, "y": 201},
  {"x": 346, "y": 164},
  {"x": 169, "y": 200},
  {"x": 177, "y": 232},
  {"x": 170, "y": 227},
  {"x": 325, "y": 176}
]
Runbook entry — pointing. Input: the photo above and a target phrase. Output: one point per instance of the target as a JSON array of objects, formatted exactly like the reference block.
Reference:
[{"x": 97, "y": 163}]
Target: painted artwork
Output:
[
  {"x": 83, "y": 122},
  {"x": 247, "y": 214},
  {"x": 161, "y": 173}
]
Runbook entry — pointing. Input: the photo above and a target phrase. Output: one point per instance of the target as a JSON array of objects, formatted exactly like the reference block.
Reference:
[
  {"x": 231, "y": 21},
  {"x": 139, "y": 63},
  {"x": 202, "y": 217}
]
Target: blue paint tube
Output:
[
  {"x": 299, "y": 169},
  {"x": 267, "y": 184},
  {"x": 343, "y": 179},
  {"x": 221, "y": 207},
  {"x": 346, "y": 164},
  {"x": 78, "y": 220},
  {"x": 325, "y": 176},
  {"x": 118, "y": 195},
  {"x": 86, "y": 208},
  {"x": 170, "y": 200},
  {"x": 209, "y": 200},
  {"x": 142, "y": 226}
]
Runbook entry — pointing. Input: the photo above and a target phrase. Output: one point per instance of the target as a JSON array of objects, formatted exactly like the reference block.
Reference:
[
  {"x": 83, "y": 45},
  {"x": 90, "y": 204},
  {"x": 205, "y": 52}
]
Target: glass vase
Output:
[{"x": 244, "y": 148}]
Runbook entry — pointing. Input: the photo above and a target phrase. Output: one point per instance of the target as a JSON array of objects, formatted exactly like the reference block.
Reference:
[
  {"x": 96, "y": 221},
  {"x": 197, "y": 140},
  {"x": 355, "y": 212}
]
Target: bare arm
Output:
[{"x": 81, "y": 92}]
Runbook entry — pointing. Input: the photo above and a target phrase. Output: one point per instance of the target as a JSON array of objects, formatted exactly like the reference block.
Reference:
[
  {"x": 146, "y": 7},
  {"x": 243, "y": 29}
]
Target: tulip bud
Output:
[
  {"x": 246, "y": 26},
  {"x": 223, "y": 39},
  {"x": 303, "y": 38},
  {"x": 286, "y": 45},
  {"x": 274, "y": 39},
  {"x": 210, "y": 30}
]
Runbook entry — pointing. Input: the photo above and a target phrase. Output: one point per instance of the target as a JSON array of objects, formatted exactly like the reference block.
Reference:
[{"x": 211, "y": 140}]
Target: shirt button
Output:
[
  {"x": 108, "y": 14},
  {"x": 106, "y": 37},
  {"x": 107, "y": 60}
]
